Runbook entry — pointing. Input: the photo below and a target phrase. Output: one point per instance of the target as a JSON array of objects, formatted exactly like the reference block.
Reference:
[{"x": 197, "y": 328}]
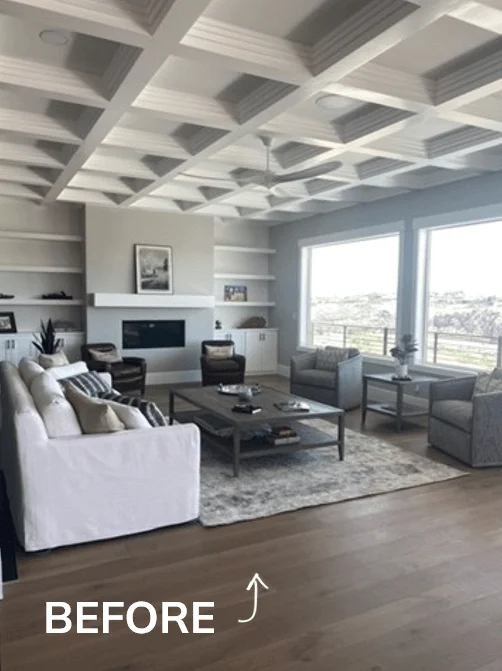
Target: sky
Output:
[{"x": 463, "y": 258}]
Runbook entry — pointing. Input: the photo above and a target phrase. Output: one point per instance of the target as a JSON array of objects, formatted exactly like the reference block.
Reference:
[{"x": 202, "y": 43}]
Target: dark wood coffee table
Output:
[{"x": 208, "y": 399}]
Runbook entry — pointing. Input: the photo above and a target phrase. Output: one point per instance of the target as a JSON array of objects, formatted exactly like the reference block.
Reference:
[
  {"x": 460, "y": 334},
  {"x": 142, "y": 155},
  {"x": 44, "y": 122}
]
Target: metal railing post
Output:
[
  {"x": 385, "y": 340},
  {"x": 344, "y": 336},
  {"x": 435, "y": 349},
  {"x": 499, "y": 352}
]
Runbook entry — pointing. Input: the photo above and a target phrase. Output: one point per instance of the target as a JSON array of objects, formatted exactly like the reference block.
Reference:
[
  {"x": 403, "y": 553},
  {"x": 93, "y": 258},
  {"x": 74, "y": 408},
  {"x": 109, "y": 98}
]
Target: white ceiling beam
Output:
[
  {"x": 150, "y": 143},
  {"x": 298, "y": 128},
  {"x": 36, "y": 125},
  {"x": 174, "y": 25},
  {"x": 19, "y": 191},
  {"x": 26, "y": 154},
  {"x": 185, "y": 108},
  {"x": 470, "y": 82},
  {"x": 23, "y": 175},
  {"x": 395, "y": 24},
  {"x": 105, "y": 20},
  {"x": 52, "y": 82},
  {"x": 247, "y": 51}
]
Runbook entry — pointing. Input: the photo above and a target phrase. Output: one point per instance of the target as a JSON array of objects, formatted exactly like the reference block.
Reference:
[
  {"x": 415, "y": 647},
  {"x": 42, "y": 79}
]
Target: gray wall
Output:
[
  {"x": 464, "y": 201},
  {"x": 110, "y": 239}
]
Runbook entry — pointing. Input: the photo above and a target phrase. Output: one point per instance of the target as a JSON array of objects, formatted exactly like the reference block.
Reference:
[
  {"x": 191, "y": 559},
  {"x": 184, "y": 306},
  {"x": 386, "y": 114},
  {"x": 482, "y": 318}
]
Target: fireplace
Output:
[{"x": 153, "y": 334}]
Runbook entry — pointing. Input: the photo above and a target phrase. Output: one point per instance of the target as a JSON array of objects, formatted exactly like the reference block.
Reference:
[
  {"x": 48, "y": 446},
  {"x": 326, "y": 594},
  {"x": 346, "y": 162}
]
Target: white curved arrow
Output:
[{"x": 254, "y": 583}]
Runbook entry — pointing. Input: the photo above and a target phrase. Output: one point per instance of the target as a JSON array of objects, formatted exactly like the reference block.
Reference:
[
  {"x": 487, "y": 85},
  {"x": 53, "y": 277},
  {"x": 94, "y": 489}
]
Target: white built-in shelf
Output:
[
  {"x": 41, "y": 269},
  {"x": 29, "y": 235},
  {"x": 151, "y": 301},
  {"x": 242, "y": 276},
  {"x": 244, "y": 304},
  {"x": 245, "y": 250},
  {"x": 39, "y": 301}
]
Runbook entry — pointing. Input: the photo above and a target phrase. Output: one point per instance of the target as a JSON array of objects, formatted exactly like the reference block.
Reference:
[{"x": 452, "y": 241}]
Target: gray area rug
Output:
[{"x": 280, "y": 483}]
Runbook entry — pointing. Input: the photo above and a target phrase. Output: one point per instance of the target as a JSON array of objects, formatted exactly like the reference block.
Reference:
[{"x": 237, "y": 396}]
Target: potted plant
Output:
[
  {"x": 46, "y": 342},
  {"x": 402, "y": 352}
]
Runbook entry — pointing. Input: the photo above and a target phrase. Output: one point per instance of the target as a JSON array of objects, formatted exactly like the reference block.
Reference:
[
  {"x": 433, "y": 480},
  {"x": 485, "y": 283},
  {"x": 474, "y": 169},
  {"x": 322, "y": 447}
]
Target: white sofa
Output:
[{"x": 70, "y": 490}]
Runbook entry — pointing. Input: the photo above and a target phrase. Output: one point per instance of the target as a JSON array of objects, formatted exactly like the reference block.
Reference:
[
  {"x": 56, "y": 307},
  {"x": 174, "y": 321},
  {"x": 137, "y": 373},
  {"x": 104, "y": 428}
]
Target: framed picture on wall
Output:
[
  {"x": 154, "y": 269},
  {"x": 235, "y": 294},
  {"x": 7, "y": 322}
]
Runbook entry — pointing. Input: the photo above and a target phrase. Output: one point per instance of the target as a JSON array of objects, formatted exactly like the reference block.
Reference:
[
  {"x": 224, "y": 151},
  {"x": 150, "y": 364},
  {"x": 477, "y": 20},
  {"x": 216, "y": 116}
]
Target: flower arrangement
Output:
[{"x": 407, "y": 346}]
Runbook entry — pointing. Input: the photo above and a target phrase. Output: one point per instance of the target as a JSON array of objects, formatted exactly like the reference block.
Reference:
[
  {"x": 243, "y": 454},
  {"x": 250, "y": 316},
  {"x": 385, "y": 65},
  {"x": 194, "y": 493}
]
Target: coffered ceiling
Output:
[{"x": 163, "y": 104}]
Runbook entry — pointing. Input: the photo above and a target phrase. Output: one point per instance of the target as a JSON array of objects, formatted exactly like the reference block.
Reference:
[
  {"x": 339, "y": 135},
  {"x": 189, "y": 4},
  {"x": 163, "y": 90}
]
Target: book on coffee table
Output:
[{"x": 292, "y": 406}]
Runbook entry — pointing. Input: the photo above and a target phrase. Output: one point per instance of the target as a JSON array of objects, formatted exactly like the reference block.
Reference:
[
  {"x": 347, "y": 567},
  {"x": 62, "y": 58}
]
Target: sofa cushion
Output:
[
  {"x": 131, "y": 417},
  {"x": 105, "y": 356},
  {"x": 147, "y": 408},
  {"x": 95, "y": 416},
  {"x": 57, "y": 413},
  {"x": 29, "y": 369},
  {"x": 328, "y": 358},
  {"x": 316, "y": 378},
  {"x": 219, "y": 351},
  {"x": 52, "y": 360},
  {"x": 456, "y": 413},
  {"x": 90, "y": 383},
  {"x": 223, "y": 365},
  {"x": 62, "y": 372}
]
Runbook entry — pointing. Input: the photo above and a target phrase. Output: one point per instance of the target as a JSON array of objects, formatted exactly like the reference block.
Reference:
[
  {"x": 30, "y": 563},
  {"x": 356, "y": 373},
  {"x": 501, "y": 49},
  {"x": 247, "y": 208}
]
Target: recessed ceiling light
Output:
[
  {"x": 329, "y": 101},
  {"x": 55, "y": 37}
]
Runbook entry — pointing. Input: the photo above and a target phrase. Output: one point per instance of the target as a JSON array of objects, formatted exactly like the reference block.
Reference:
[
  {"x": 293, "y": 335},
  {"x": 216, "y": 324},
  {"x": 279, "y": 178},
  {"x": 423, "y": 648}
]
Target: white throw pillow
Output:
[
  {"x": 62, "y": 372},
  {"x": 52, "y": 360},
  {"x": 219, "y": 351},
  {"x": 130, "y": 417},
  {"x": 57, "y": 413},
  {"x": 110, "y": 356},
  {"x": 29, "y": 369}
]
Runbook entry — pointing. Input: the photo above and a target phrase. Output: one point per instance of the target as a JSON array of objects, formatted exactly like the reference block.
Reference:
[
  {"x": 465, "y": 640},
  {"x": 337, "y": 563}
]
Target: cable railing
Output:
[{"x": 441, "y": 348}]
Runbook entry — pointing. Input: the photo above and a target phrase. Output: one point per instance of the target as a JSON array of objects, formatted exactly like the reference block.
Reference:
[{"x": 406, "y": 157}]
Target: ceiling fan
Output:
[{"x": 271, "y": 181}]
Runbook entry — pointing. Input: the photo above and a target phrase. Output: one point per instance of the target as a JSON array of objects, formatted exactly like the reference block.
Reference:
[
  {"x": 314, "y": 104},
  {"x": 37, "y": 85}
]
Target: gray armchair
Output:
[
  {"x": 340, "y": 387},
  {"x": 464, "y": 424}
]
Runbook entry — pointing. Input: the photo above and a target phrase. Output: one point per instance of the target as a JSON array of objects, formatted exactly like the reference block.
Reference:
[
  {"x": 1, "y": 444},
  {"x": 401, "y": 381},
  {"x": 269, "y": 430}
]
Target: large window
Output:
[
  {"x": 350, "y": 294},
  {"x": 463, "y": 297}
]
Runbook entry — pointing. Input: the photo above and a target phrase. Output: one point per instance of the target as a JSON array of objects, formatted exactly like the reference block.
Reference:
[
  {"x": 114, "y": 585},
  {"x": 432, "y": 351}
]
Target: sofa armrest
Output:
[
  {"x": 349, "y": 379},
  {"x": 487, "y": 428},
  {"x": 302, "y": 361},
  {"x": 458, "y": 389},
  {"x": 241, "y": 360},
  {"x": 135, "y": 361}
]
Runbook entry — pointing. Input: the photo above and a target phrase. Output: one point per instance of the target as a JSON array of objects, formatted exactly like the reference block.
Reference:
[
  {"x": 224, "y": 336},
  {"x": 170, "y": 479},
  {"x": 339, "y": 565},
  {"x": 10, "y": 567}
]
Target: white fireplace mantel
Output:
[{"x": 177, "y": 301}]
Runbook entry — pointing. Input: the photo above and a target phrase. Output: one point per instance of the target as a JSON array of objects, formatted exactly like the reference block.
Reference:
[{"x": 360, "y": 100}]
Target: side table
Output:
[{"x": 400, "y": 410}]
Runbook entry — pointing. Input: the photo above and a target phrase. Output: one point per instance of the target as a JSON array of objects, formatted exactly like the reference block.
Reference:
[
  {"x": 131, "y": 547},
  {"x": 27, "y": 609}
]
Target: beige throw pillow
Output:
[
  {"x": 219, "y": 351},
  {"x": 112, "y": 356},
  {"x": 53, "y": 360},
  {"x": 94, "y": 415},
  {"x": 489, "y": 382}
]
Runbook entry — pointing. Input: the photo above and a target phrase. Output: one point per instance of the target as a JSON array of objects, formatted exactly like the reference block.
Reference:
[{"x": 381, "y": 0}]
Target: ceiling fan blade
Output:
[{"x": 308, "y": 173}]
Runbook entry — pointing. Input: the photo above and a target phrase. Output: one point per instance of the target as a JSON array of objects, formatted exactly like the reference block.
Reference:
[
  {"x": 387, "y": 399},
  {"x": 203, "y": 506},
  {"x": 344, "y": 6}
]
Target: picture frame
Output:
[
  {"x": 7, "y": 322},
  {"x": 154, "y": 269},
  {"x": 235, "y": 293}
]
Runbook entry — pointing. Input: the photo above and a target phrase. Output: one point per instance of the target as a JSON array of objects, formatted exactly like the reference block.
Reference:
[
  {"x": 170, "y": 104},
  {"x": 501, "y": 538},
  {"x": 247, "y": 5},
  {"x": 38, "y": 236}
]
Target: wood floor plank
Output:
[{"x": 407, "y": 581}]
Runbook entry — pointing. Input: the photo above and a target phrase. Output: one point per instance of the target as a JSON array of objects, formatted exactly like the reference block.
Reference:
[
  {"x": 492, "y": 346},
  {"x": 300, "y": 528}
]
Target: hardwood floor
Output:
[{"x": 407, "y": 581}]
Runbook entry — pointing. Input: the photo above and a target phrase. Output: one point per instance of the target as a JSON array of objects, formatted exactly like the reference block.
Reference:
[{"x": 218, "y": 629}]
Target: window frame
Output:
[{"x": 305, "y": 247}]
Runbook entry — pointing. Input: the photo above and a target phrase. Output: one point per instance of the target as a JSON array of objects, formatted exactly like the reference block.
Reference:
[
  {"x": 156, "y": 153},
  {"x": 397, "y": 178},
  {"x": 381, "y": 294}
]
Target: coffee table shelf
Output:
[{"x": 207, "y": 400}]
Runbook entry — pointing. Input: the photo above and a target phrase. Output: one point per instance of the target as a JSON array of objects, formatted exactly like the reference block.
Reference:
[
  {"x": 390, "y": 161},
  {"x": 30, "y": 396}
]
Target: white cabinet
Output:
[
  {"x": 15, "y": 346},
  {"x": 259, "y": 346}
]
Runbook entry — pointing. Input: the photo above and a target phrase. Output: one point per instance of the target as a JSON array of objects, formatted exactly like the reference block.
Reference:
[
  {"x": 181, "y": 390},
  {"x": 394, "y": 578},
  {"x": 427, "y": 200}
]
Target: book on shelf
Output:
[
  {"x": 277, "y": 442},
  {"x": 283, "y": 435}
]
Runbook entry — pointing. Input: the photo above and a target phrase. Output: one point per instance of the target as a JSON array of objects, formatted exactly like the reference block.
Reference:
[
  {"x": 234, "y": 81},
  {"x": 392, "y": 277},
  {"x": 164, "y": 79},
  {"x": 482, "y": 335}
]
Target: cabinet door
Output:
[
  {"x": 254, "y": 345},
  {"x": 239, "y": 338},
  {"x": 269, "y": 345},
  {"x": 71, "y": 343},
  {"x": 20, "y": 347}
]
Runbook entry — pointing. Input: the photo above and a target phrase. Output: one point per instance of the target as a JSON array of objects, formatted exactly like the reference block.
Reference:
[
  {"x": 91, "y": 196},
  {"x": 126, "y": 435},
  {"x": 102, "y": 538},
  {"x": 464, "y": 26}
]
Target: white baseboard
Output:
[
  {"x": 173, "y": 377},
  {"x": 284, "y": 371}
]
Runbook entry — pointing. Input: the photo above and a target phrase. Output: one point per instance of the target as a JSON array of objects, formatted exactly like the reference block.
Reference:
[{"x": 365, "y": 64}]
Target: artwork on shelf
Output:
[
  {"x": 235, "y": 294},
  {"x": 154, "y": 269},
  {"x": 7, "y": 322}
]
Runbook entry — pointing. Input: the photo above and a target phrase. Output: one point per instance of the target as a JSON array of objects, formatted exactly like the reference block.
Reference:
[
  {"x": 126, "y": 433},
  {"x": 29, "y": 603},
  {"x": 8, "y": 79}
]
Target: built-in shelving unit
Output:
[
  {"x": 42, "y": 261},
  {"x": 244, "y": 250},
  {"x": 102, "y": 300},
  {"x": 242, "y": 276},
  {"x": 246, "y": 304}
]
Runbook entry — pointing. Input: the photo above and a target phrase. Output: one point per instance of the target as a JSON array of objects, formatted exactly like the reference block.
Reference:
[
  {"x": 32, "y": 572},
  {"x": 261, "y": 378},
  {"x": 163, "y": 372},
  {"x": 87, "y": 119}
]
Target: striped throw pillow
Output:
[
  {"x": 90, "y": 383},
  {"x": 147, "y": 408}
]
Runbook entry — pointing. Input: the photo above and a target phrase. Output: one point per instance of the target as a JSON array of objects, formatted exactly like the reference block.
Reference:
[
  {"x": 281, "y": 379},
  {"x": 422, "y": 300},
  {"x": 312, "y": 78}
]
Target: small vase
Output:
[
  {"x": 402, "y": 371},
  {"x": 246, "y": 394}
]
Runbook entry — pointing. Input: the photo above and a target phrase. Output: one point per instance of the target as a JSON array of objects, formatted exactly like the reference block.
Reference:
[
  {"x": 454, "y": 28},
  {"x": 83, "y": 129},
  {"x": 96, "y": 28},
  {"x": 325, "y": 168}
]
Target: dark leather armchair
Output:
[
  {"x": 221, "y": 371},
  {"x": 127, "y": 375}
]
